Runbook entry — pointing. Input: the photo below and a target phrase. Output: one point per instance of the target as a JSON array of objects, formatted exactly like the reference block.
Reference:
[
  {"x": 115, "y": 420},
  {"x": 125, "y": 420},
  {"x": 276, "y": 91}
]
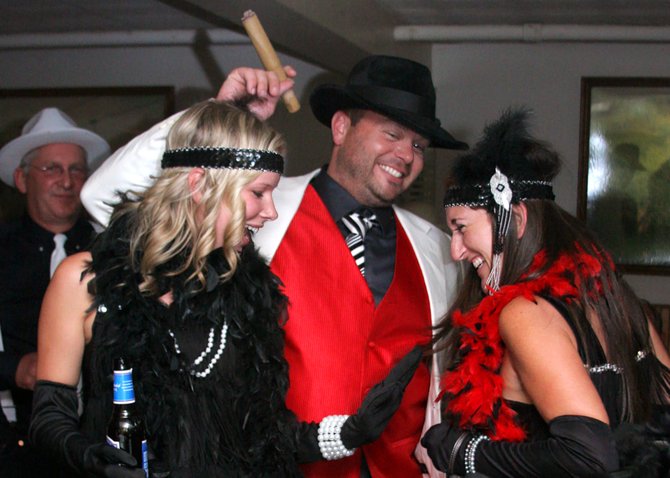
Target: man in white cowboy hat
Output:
[
  {"x": 48, "y": 163},
  {"x": 359, "y": 299}
]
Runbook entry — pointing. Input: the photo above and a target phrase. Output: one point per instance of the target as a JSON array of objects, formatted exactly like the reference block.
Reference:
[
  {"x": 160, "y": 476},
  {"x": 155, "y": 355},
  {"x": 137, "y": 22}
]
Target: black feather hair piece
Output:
[{"x": 506, "y": 146}]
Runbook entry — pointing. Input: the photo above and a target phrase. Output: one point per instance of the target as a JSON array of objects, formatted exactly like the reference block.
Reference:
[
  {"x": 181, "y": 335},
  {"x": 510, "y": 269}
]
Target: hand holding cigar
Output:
[{"x": 268, "y": 55}]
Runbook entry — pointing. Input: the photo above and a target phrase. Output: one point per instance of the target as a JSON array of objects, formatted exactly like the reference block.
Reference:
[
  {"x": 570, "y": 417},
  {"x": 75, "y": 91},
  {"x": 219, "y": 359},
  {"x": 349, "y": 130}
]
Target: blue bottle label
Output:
[
  {"x": 145, "y": 453},
  {"x": 112, "y": 442},
  {"x": 145, "y": 458},
  {"x": 123, "y": 387}
]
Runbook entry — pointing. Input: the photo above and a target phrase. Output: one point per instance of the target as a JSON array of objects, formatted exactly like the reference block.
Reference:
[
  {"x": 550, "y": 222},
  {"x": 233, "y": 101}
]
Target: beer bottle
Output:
[{"x": 125, "y": 429}]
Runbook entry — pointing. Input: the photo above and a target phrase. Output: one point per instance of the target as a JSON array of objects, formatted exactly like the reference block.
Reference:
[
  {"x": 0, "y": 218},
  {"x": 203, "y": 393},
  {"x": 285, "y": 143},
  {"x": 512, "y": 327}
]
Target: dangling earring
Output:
[{"x": 502, "y": 212}]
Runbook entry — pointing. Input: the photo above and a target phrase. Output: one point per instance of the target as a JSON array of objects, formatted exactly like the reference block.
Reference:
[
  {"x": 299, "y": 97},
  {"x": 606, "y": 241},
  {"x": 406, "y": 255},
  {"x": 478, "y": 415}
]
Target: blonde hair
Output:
[{"x": 169, "y": 223}]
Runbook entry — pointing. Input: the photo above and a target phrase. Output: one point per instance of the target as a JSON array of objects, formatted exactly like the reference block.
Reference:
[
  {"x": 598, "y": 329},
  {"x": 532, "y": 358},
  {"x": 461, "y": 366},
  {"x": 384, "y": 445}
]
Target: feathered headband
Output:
[
  {"x": 498, "y": 173},
  {"x": 230, "y": 158}
]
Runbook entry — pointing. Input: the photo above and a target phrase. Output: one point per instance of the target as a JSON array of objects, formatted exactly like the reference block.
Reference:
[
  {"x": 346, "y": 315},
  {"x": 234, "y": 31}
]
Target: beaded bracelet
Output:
[
  {"x": 330, "y": 439},
  {"x": 470, "y": 450}
]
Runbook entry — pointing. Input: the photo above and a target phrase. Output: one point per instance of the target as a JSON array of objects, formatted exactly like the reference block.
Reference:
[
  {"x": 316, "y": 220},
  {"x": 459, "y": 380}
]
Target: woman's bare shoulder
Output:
[
  {"x": 62, "y": 331},
  {"x": 543, "y": 357},
  {"x": 72, "y": 268},
  {"x": 523, "y": 319},
  {"x": 523, "y": 312}
]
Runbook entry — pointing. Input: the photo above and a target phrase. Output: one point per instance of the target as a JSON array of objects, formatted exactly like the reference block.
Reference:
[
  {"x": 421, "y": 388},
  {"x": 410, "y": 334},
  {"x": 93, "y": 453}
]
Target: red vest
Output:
[{"x": 339, "y": 345}]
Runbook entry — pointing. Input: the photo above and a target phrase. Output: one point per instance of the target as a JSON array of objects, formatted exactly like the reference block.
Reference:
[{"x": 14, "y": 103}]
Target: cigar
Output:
[{"x": 268, "y": 55}]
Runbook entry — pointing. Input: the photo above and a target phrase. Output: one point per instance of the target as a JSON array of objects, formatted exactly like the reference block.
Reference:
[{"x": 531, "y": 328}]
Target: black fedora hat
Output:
[{"x": 397, "y": 88}]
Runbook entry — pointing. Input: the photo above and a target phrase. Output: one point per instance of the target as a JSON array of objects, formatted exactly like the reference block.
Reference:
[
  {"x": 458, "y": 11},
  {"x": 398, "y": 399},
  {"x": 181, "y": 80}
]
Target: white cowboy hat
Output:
[{"x": 48, "y": 126}]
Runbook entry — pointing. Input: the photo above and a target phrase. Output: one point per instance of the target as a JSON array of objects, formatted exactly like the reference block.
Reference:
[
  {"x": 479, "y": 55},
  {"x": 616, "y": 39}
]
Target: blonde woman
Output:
[{"x": 175, "y": 286}]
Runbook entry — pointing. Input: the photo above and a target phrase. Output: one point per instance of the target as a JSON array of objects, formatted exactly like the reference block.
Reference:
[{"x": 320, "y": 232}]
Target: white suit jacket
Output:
[{"x": 134, "y": 166}]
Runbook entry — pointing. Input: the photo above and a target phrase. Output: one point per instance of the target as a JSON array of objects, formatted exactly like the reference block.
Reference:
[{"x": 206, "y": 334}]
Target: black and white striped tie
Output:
[{"x": 358, "y": 223}]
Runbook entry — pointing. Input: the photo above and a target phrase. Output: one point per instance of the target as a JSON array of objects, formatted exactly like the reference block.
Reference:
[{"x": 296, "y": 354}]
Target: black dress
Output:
[
  {"x": 643, "y": 448},
  {"x": 233, "y": 422},
  {"x": 605, "y": 377}
]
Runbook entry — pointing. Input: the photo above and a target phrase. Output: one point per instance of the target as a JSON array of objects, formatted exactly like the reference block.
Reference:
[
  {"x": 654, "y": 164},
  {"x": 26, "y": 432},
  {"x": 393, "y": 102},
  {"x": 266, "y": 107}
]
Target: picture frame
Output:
[
  {"x": 118, "y": 114},
  {"x": 624, "y": 169}
]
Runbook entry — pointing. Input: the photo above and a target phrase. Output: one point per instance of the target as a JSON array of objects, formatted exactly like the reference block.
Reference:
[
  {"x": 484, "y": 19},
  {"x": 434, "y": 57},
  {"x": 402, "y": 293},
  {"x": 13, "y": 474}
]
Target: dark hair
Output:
[
  {"x": 355, "y": 115},
  {"x": 620, "y": 313}
]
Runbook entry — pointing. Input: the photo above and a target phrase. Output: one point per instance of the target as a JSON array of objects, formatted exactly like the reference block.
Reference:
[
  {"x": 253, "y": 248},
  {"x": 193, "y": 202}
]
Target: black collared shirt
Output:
[
  {"x": 380, "y": 241},
  {"x": 25, "y": 257}
]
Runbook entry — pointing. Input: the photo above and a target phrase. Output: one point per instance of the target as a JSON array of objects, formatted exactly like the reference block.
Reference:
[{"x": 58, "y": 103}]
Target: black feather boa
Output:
[
  {"x": 233, "y": 422},
  {"x": 644, "y": 450}
]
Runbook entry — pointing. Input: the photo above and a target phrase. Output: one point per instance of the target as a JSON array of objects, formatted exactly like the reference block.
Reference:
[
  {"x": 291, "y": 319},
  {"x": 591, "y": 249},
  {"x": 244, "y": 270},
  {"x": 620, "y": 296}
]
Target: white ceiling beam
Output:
[
  {"x": 532, "y": 33},
  {"x": 118, "y": 39}
]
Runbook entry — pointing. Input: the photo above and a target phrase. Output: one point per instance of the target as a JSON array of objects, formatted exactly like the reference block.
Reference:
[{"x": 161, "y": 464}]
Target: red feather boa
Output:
[{"x": 473, "y": 389}]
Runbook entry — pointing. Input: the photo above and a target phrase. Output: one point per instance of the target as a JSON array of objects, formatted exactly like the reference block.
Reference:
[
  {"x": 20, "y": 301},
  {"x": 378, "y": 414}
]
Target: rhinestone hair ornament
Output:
[
  {"x": 230, "y": 158},
  {"x": 497, "y": 174}
]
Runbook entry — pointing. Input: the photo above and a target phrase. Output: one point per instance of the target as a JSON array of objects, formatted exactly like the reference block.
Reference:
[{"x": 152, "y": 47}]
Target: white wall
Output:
[
  {"x": 477, "y": 81},
  {"x": 176, "y": 66}
]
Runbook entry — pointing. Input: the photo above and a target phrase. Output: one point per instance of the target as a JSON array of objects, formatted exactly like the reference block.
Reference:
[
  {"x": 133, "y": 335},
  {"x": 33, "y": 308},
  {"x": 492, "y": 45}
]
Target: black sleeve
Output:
[
  {"x": 54, "y": 427},
  {"x": 578, "y": 447},
  {"x": 8, "y": 364}
]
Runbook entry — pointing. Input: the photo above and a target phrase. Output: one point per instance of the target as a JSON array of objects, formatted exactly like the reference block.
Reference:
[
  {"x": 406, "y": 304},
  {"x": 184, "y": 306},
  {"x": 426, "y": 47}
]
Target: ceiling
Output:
[
  {"x": 332, "y": 33},
  {"x": 39, "y": 16}
]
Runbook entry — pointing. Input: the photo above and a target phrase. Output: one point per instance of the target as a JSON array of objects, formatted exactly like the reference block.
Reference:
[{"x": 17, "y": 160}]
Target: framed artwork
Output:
[
  {"x": 116, "y": 113},
  {"x": 624, "y": 169}
]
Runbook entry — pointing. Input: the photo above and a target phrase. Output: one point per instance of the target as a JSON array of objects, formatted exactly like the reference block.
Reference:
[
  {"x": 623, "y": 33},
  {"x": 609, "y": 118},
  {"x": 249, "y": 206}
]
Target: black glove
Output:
[
  {"x": 54, "y": 428},
  {"x": 578, "y": 446},
  {"x": 380, "y": 403},
  {"x": 308, "y": 442}
]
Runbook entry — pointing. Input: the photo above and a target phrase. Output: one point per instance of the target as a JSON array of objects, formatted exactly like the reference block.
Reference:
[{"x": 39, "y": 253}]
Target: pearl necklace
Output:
[{"x": 210, "y": 344}]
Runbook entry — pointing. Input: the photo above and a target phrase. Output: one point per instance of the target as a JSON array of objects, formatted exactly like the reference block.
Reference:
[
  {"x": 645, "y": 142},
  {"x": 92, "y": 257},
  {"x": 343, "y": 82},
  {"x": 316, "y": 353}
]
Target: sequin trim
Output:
[
  {"x": 604, "y": 368},
  {"x": 610, "y": 367},
  {"x": 230, "y": 158}
]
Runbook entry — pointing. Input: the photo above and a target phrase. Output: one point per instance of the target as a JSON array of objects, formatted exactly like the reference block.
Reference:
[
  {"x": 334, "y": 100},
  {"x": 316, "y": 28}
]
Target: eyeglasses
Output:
[{"x": 56, "y": 171}]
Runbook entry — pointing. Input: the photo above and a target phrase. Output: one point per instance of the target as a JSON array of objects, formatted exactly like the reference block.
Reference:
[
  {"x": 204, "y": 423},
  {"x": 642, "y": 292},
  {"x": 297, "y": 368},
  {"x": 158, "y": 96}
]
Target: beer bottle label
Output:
[
  {"x": 145, "y": 453},
  {"x": 113, "y": 443},
  {"x": 124, "y": 392},
  {"x": 145, "y": 458}
]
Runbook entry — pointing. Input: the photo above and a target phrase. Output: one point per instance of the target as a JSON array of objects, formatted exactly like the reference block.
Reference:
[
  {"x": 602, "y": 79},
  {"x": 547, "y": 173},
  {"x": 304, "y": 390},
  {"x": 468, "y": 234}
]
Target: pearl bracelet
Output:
[
  {"x": 330, "y": 439},
  {"x": 470, "y": 450}
]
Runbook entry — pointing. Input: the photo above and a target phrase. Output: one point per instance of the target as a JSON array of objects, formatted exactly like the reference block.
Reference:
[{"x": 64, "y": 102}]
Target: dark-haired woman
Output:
[{"x": 547, "y": 350}]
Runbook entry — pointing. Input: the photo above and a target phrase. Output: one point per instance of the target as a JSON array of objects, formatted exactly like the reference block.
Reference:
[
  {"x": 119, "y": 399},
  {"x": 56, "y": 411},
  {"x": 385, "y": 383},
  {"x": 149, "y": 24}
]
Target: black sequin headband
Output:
[
  {"x": 482, "y": 195},
  {"x": 231, "y": 158}
]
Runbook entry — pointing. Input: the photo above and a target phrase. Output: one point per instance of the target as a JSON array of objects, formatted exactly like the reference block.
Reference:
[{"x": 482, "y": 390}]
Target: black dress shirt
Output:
[
  {"x": 379, "y": 242},
  {"x": 25, "y": 256}
]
